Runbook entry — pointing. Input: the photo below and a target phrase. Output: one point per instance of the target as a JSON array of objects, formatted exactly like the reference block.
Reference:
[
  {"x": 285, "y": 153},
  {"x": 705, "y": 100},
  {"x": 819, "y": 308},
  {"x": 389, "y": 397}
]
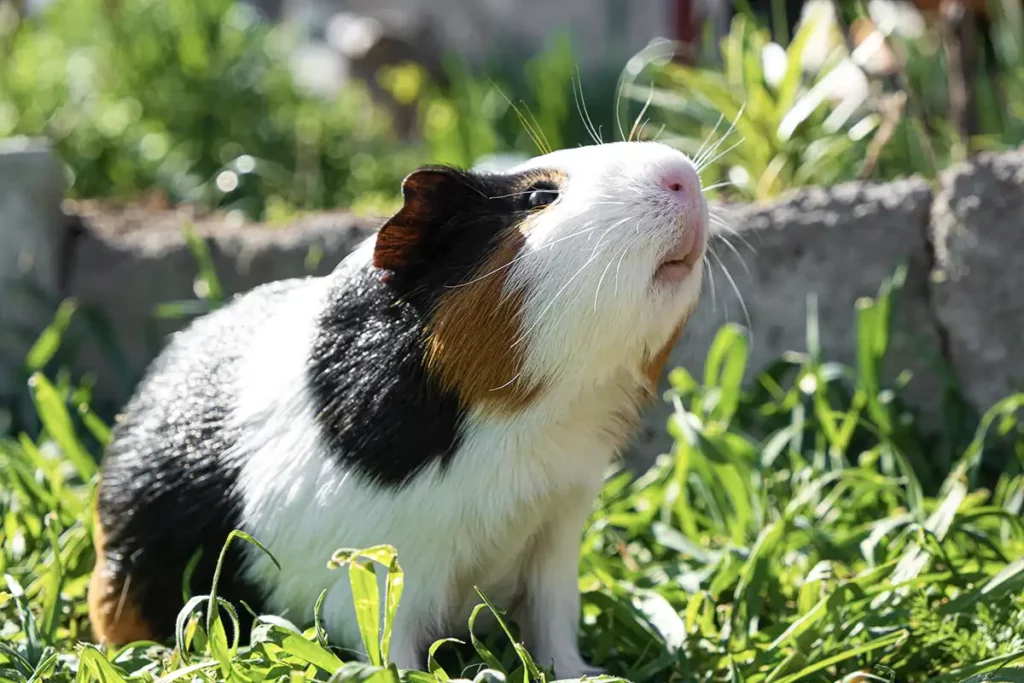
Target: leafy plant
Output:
[
  {"x": 789, "y": 133},
  {"x": 474, "y": 117},
  {"x": 810, "y": 113}
]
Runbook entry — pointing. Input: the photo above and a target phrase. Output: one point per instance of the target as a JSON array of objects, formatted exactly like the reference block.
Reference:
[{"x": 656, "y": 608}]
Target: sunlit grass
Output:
[{"x": 787, "y": 537}]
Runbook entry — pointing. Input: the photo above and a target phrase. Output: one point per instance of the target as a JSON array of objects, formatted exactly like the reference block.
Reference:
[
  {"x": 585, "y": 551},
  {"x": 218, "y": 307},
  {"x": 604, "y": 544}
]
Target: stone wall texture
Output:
[
  {"x": 31, "y": 240},
  {"x": 977, "y": 228},
  {"x": 962, "y": 306}
]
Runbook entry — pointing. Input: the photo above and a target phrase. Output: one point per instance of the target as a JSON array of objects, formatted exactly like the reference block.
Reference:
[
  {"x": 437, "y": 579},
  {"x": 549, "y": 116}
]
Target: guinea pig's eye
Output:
[{"x": 541, "y": 195}]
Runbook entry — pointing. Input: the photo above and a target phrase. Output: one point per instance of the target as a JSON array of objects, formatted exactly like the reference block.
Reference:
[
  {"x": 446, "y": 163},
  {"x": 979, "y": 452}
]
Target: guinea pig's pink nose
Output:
[{"x": 682, "y": 181}]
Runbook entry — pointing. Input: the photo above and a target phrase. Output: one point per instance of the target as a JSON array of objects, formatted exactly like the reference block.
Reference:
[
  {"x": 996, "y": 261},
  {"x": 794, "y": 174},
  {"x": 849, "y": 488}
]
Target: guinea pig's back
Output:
[{"x": 168, "y": 482}]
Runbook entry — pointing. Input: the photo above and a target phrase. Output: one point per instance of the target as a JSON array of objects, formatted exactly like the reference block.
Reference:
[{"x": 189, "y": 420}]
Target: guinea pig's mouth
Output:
[{"x": 681, "y": 259}]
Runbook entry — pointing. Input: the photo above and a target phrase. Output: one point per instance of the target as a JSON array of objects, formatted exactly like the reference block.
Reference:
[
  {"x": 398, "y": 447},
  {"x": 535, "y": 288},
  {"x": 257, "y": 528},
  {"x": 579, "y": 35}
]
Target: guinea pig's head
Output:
[{"x": 568, "y": 269}]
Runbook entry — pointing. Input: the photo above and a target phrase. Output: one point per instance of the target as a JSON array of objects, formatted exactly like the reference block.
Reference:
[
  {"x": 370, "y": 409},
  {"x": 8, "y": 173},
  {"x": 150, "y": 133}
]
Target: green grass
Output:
[{"x": 800, "y": 530}]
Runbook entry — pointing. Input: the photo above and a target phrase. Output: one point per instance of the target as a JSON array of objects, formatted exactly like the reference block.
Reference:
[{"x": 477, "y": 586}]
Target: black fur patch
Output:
[
  {"x": 166, "y": 488},
  {"x": 380, "y": 413}
]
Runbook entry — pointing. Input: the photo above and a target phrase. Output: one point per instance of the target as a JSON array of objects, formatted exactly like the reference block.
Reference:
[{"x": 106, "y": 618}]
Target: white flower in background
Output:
[
  {"x": 825, "y": 35},
  {"x": 872, "y": 53},
  {"x": 352, "y": 34},
  {"x": 901, "y": 18},
  {"x": 774, "y": 62},
  {"x": 318, "y": 69},
  {"x": 887, "y": 18},
  {"x": 884, "y": 14},
  {"x": 740, "y": 177},
  {"x": 848, "y": 88},
  {"x": 846, "y": 85}
]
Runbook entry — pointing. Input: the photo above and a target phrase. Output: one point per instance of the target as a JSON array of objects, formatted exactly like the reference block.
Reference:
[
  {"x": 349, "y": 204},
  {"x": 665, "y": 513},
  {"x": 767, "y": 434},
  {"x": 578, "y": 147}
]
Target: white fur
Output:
[
  {"x": 508, "y": 514},
  {"x": 592, "y": 305}
]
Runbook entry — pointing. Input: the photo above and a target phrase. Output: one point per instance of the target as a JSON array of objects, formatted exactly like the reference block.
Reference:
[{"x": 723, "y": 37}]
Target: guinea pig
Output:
[{"x": 457, "y": 387}]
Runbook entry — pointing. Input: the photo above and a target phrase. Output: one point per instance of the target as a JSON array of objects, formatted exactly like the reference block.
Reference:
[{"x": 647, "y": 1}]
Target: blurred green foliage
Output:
[
  {"x": 196, "y": 99},
  {"x": 785, "y": 143},
  {"x": 170, "y": 95},
  {"x": 810, "y": 113}
]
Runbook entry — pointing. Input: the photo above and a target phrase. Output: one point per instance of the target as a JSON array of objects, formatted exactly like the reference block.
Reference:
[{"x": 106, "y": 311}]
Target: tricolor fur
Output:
[{"x": 456, "y": 387}]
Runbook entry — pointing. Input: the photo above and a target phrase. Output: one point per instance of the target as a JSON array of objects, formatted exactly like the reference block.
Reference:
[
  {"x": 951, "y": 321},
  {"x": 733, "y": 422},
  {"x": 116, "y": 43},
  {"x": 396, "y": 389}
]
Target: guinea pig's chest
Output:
[{"x": 468, "y": 524}]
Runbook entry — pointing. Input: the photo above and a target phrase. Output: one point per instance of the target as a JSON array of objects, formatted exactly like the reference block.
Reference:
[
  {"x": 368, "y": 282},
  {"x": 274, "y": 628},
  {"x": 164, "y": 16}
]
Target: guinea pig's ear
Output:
[{"x": 431, "y": 196}]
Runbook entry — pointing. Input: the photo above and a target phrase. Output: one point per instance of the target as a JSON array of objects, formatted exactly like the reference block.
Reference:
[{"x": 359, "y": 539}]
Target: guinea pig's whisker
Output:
[
  {"x": 581, "y": 107},
  {"x": 535, "y": 134},
  {"x": 720, "y": 154},
  {"x": 508, "y": 383},
  {"x": 640, "y": 133},
  {"x": 721, "y": 223},
  {"x": 711, "y": 279},
  {"x": 700, "y": 150},
  {"x": 734, "y": 250},
  {"x": 519, "y": 194},
  {"x": 605, "y": 233},
  {"x": 726, "y": 233},
  {"x": 539, "y": 128},
  {"x": 721, "y": 218},
  {"x": 617, "y": 267},
  {"x": 597, "y": 292},
  {"x": 551, "y": 303},
  {"x": 702, "y": 162},
  {"x": 639, "y": 116},
  {"x": 732, "y": 282},
  {"x": 488, "y": 274},
  {"x": 618, "y": 111},
  {"x": 123, "y": 597},
  {"x": 726, "y": 183}
]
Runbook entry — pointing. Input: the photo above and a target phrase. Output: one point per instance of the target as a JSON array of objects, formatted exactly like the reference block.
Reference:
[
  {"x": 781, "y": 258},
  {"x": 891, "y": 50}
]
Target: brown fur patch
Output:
[
  {"x": 399, "y": 239},
  {"x": 115, "y": 619},
  {"x": 656, "y": 364},
  {"x": 470, "y": 345}
]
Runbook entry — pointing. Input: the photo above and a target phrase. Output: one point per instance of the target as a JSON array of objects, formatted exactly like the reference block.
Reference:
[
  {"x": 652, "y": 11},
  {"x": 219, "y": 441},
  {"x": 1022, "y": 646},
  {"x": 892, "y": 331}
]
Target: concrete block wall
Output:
[
  {"x": 962, "y": 303},
  {"x": 31, "y": 240}
]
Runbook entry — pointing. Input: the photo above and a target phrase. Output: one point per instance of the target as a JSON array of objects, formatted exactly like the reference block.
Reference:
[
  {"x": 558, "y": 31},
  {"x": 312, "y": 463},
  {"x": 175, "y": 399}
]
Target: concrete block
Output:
[
  {"x": 131, "y": 262},
  {"x": 31, "y": 234},
  {"x": 978, "y": 233}
]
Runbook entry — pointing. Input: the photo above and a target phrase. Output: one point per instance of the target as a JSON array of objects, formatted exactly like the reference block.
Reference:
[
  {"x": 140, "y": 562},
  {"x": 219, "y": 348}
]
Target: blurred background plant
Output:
[
  {"x": 194, "y": 101},
  {"x": 862, "y": 91}
]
